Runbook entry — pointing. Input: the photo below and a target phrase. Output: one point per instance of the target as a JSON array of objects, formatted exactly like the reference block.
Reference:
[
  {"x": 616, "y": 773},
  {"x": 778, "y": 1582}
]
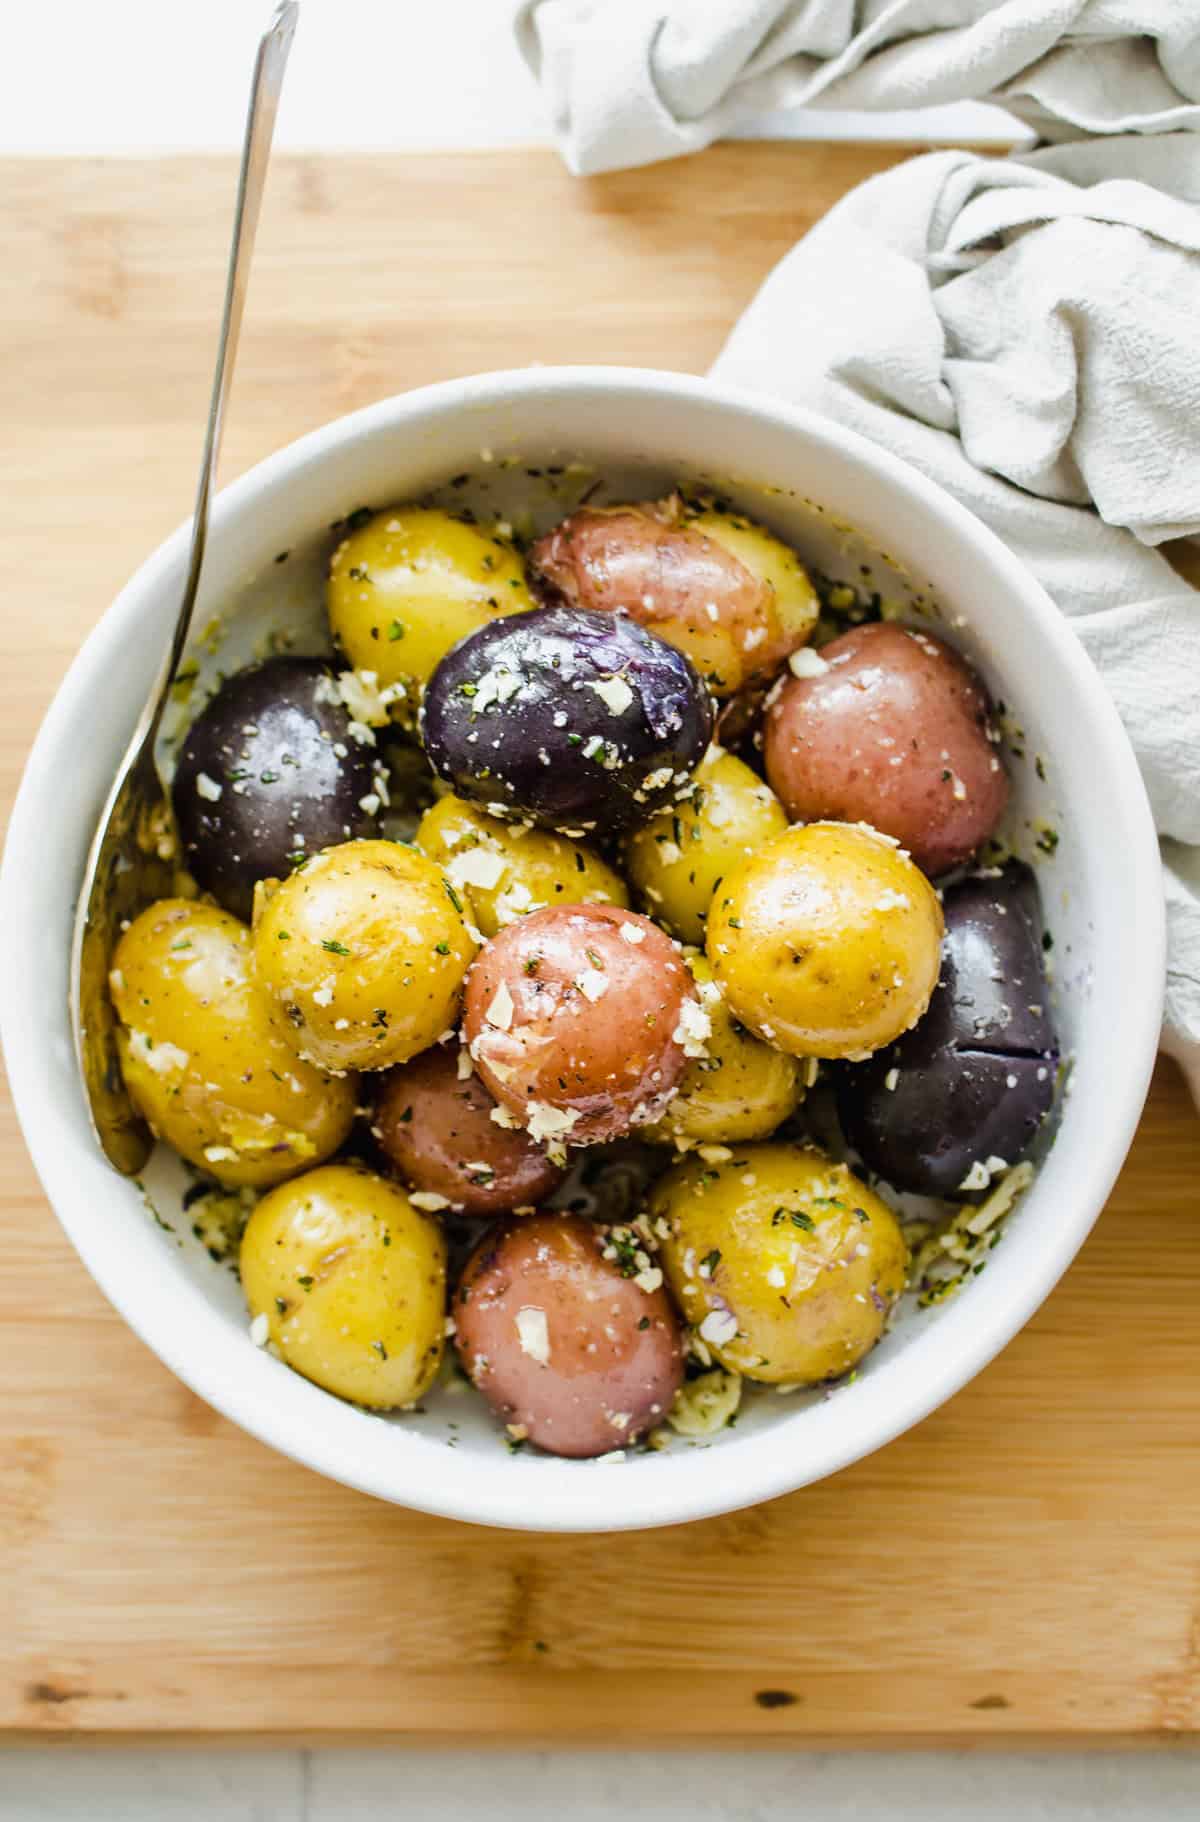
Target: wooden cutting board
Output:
[{"x": 1025, "y": 1565}]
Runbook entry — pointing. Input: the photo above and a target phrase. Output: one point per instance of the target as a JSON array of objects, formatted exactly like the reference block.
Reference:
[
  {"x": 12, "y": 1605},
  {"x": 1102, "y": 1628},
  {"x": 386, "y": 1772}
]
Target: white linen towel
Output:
[
  {"x": 1025, "y": 330},
  {"x": 630, "y": 81}
]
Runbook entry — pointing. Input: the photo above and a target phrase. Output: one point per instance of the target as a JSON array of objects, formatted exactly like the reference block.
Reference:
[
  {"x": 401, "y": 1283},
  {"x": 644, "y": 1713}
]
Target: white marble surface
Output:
[
  {"x": 152, "y": 75},
  {"x": 378, "y": 1785},
  {"x": 363, "y": 73}
]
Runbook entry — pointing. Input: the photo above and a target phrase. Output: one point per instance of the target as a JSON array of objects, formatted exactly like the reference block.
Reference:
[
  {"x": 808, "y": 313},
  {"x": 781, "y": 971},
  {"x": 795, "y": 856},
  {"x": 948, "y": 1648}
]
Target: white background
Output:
[
  {"x": 162, "y": 75},
  {"x": 96, "y": 76}
]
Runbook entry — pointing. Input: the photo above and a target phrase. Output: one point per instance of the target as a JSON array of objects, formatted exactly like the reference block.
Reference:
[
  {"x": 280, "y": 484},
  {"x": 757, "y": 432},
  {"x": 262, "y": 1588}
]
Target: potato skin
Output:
[
  {"x": 362, "y": 953},
  {"x": 827, "y": 942},
  {"x": 438, "y": 1132},
  {"x": 539, "y": 868},
  {"x": 268, "y": 769},
  {"x": 202, "y": 1061},
  {"x": 567, "y": 1065},
  {"x": 574, "y": 720},
  {"x": 801, "y": 1262},
  {"x": 666, "y": 563},
  {"x": 896, "y": 731},
  {"x": 676, "y": 860},
  {"x": 408, "y": 584},
  {"x": 976, "y": 1078},
  {"x": 352, "y": 1281},
  {"x": 613, "y": 1352},
  {"x": 742, "y": 1089}
]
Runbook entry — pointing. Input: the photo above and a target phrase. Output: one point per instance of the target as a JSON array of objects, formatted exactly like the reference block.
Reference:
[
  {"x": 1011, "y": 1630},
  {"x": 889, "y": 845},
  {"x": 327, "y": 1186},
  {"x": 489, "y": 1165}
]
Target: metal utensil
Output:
[{"x": 130, "y": 862}]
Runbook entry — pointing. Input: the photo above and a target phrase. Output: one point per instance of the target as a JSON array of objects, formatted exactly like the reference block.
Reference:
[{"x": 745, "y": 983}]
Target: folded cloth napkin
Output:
[
  {"x": 1025, "y": 330},
  {"x": 631, "y": 81}
]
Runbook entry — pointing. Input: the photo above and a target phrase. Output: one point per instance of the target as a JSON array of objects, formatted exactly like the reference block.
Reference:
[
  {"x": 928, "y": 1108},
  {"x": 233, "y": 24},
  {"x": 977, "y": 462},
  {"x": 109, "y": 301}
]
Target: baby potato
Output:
[
  {"x": 501, "y": 870},
  {"x": 352, "y": 1282},
  {"x": 785, "y": 1264},
  {"x": 575, "y": 721},
  {"x": 362, "y": 953},
  {"x": 439, "y": 1132},
  {"x": 890, "y": 725},
  {"x": 570, "y": 1351},
  {"x": 202, "y": 1062},
  {"x": 409, "y": 583},
  {"x": 710, "y": 581},
  {"x": 827, "y": 942},
  {"x": 579, "y": 1019},
  {"x": 678, "y": 858},
  {"x": 267, "y": 770},
  {"x": 964, "y": 1093},
  {"x": 742, "y": 1089}
]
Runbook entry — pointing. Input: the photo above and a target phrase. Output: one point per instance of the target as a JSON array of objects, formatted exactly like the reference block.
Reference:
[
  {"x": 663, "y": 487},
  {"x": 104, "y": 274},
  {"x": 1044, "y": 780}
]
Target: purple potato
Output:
[
  {"x": 578, "y": 720},
  {"x": 269, "y": 769},
  {"x": 974, "y": 1079}
]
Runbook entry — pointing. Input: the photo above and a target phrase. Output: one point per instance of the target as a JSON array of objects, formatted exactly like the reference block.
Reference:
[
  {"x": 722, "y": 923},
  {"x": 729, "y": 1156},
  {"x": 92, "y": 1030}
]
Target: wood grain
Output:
[{"x": 1024, "y": 1566}]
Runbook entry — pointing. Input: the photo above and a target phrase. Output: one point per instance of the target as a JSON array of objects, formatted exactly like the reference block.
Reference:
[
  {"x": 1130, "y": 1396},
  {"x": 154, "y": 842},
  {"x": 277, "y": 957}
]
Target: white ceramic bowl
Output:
[{"x": 1101, "y": 893}]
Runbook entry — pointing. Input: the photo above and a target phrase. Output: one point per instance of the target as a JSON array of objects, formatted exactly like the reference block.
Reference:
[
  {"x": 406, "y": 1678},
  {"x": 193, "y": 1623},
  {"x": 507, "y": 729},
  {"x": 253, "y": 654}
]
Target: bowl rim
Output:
[{"x": 692, "y": 1486}]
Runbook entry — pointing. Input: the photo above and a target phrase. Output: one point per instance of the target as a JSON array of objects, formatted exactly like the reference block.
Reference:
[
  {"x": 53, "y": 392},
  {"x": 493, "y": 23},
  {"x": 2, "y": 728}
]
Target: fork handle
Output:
[{"x": 265, "y": 87}]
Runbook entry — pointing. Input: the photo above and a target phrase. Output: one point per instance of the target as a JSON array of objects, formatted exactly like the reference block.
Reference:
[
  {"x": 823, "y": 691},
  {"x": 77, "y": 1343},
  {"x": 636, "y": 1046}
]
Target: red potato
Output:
[
  {"x": 566, "y": 1349},
  {"x": 438, "y": 1131},
  {"x": 709, "y": 581},
  {"x": 892, "y": 730},
  {"x": 580, "y": 1019}
]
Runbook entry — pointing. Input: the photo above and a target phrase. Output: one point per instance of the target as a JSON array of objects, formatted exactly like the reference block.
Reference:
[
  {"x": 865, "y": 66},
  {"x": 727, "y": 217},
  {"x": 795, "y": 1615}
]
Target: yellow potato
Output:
[
  {"x": 502, "y": 870},
  {"x": 741, "y": 1089},
  {"x": 827, "y": 943},
  {"x": 794, "y": 606},
  {"x": 408, "y": 584},
  {"x": 786, "y": 1264},
  {"x": 351, "y": 1279},
  {"x": 362, "y": 954},
  {"x": 202, "y": 1062},
  {"x": 676, "y": 860}
]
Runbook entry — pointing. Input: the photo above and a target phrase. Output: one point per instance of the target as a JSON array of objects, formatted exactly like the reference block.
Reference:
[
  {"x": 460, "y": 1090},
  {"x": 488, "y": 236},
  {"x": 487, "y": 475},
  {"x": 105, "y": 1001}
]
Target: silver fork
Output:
[{"x": 131, "y": 858}]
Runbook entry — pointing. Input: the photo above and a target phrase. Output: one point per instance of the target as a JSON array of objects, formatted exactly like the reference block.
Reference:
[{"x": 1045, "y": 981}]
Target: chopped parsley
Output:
[
  {"x": 332, "y": 947},
  {"x": 625, "y": 1246}
]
